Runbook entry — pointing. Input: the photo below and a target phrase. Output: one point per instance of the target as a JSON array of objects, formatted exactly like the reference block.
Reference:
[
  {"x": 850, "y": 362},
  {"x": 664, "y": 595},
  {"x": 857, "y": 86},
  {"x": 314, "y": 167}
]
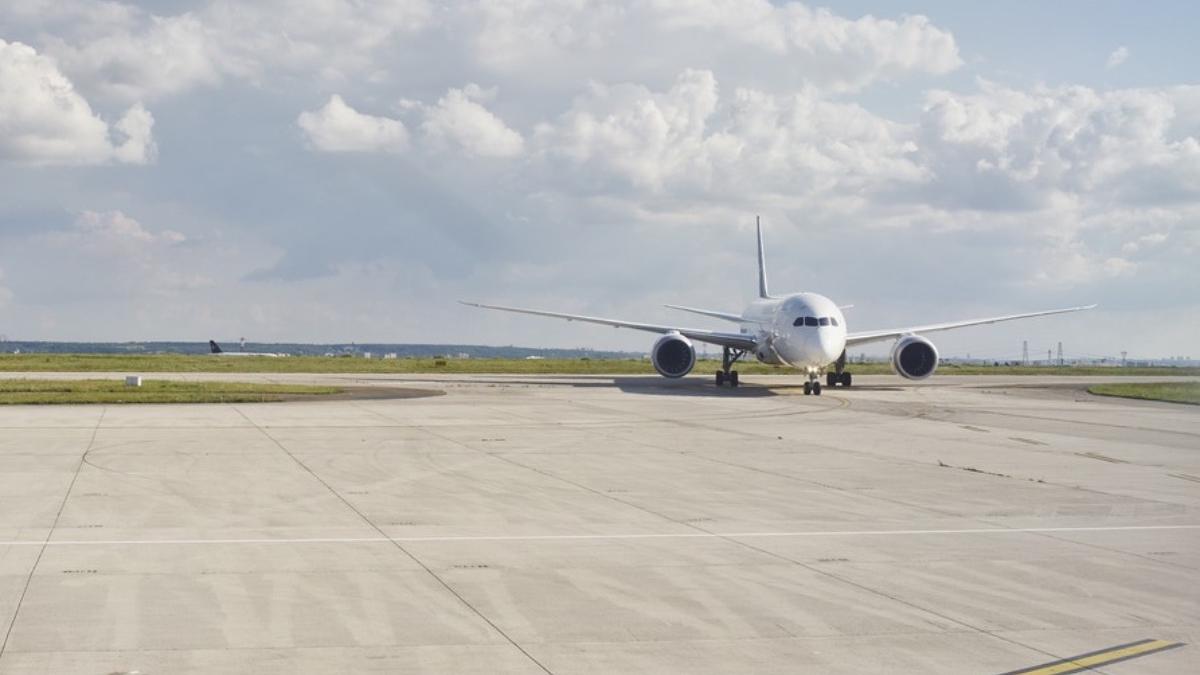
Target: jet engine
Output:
[
  {"x": 914, "y": 357},
  {"x": 673, "y": 355}
]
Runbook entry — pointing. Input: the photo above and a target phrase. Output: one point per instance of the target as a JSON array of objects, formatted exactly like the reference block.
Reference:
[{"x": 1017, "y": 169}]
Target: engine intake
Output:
[
  {"x": 914, "y": 357},
  {"x": 673, "y": 355}
]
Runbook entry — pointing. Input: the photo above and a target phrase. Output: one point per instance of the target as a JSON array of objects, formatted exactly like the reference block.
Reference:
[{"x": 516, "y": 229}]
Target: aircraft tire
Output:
[
  {"x": 733, "y": 378},
  {"x": 720, "y": 378},
  {"x": 808, "y": 388},
  {"x": 846, "y": 379},
  {"x": 816, "y": 388}
]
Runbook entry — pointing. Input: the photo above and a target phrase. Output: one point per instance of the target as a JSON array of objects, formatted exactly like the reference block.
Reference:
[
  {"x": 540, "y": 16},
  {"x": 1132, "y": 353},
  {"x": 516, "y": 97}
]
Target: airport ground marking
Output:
[
  {"x": 1100, "y": 657},
  {"x": 585, "y": 537}
]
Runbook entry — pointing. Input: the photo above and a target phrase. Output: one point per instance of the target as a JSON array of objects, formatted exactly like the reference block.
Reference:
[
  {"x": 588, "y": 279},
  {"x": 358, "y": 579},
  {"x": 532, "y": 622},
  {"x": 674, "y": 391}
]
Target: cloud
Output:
[
  {"x": 336, "y": 127},
  {"x": 6, "y": 295},
  {"x": 126, "y": 54},
  {"x": 752, "y": 143},
  {"x": 142, "y": 59},
  {"x": 1119, "y": 56},
  {"x": 785, "y": 42},
  {"x": 44, "y": 121},
  {"x": 1002, "y": 148},
  {"x": 115, "y": 226},
  {"x": 102, "y": 256},
  {"x": 459, "y": 119}
]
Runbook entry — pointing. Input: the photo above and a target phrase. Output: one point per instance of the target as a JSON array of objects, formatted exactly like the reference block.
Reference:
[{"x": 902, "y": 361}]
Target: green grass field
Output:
[
  {"x": 1174, "y": 392},
  {"x": 175, "y": 363},
  {"x": 21, "y": 392}
]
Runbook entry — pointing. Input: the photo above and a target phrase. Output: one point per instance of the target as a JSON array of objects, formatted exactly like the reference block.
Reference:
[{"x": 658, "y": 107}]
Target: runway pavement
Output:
[{"x": 599, "y": 525}]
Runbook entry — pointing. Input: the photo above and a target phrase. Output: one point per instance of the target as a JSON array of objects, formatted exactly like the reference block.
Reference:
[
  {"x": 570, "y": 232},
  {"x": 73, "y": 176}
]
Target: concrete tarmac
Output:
[{"x": 600, "y": 525}]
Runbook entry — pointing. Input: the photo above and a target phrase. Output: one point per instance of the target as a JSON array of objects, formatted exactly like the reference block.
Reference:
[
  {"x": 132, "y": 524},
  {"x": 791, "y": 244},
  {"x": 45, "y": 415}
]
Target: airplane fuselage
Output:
[{"x": 804, "y": 330}]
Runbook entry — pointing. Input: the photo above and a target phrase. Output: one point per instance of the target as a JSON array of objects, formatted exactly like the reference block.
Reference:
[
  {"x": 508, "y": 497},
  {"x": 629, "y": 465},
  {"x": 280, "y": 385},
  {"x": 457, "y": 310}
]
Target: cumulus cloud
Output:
[
  {"x": 1119, "y": 56},
  {"x": 125, "y": 53},
  {"x": 754, "y": 143},
  {"x": 785, "y": 42},
  {"x": 460, "y": 119},
  {"x": 43, "y": 120},
  {"x": 139, "y": 60},
  {"x": 336, "y": 127},
  {"x": 1006, "y": 148}
]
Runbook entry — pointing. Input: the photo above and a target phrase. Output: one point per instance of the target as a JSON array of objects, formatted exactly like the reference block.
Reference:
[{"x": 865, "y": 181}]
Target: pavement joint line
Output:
[
  {"x": 398, "y": 545},
  {"x": 588, "y": 537}
]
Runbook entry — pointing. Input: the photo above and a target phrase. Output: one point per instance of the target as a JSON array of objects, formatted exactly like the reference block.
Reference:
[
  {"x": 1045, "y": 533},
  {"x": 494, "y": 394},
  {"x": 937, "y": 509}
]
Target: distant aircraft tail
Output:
[
  {"x": 214, "y": 347},
  {"x": 762, "y": 262}
]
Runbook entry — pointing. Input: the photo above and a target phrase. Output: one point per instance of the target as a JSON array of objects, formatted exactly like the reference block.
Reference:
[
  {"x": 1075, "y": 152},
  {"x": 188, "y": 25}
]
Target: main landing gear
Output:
[
  {"x": 729, "y": 357},
  {"x": 839, "y": 376}
]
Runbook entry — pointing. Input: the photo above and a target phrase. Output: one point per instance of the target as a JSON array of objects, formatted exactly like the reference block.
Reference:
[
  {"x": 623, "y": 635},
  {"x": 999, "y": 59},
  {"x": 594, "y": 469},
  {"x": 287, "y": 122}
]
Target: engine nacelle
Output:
[
  {"x": 673, "y": 355},
  {"x": 914, "y": 357}
]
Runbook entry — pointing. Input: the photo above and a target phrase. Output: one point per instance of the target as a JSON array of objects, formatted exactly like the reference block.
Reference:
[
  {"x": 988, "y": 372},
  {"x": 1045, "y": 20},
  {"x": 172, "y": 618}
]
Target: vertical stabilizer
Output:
[
  {"x": 214, "y": 348},
  {"x": 762, "y": 262}
]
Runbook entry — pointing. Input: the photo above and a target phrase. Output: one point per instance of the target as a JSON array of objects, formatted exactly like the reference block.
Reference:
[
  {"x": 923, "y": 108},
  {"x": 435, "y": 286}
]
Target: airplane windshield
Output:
[
  {"x": 824, "y": 321},
  {"x": 810, "y": 321}
]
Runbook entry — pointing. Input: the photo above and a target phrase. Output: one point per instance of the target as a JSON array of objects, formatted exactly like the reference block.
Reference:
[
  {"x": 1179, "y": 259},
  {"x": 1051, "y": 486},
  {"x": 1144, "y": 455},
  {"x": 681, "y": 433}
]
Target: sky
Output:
[{"x": 340, "y": 170}]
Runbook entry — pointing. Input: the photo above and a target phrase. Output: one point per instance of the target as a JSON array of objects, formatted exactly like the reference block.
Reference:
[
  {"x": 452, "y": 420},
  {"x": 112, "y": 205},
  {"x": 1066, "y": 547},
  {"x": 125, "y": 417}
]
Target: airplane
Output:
[
  {"x": 214, "y": 349},
  {"x": 806, "y": 331}
]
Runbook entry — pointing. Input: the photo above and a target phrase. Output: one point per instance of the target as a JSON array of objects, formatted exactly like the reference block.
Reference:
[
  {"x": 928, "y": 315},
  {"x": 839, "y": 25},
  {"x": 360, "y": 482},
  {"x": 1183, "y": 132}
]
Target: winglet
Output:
[{"x": 762, "y": 262}]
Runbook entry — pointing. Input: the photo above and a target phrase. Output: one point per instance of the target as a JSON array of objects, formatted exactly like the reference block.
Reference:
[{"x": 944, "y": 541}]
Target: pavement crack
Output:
[{"x": 62, "y": 505}]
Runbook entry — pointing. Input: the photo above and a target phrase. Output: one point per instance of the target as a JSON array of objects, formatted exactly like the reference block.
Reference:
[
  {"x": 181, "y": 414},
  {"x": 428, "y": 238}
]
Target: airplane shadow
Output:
[{"x": 654, "y": 385}]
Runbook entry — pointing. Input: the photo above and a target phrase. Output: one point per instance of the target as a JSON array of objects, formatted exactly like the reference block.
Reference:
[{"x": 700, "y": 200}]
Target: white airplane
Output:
[
  {"x": 805, "y": 331},
  {"x": 214, "y": 349}
]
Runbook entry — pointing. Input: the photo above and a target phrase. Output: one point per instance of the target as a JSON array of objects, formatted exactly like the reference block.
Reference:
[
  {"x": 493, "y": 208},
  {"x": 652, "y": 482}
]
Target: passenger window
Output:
[
  {"x": 824, "y": 321},
  {"x": 799, "y": 321},
  {"x": 810, "y": 321},
  {"x": 833, "y": 321}
]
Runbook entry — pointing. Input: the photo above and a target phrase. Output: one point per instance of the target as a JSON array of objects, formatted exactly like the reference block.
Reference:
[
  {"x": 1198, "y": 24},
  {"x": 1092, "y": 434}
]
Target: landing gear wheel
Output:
[
  {"x": 831, "y": 379},
  {"x": 733, "y": 378},
  {"x": 816, "y": 388},
  {"x": 808, "y": 388},
  {"x": 720, "y": 378},
  {"x": 845, "y": 379}
]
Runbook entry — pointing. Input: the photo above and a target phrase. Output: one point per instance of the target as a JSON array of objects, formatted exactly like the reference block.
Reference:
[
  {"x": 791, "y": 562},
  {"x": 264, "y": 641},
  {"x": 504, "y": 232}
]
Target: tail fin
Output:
[
  {"x": 762, "y": 263},
  {"x": 214, "y": 347}
]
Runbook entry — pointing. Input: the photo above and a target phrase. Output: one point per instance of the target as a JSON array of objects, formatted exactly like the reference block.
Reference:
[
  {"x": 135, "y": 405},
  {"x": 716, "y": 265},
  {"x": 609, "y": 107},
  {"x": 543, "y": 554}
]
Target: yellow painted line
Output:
[{"x": 1103, "y": 657}]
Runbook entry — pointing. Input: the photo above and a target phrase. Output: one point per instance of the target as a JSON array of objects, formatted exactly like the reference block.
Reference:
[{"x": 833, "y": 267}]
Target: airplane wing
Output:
[
  {"x": 735, "y": 340},
  {"x": 708, "y": 312},
  {"x": 854, "y": 339}
]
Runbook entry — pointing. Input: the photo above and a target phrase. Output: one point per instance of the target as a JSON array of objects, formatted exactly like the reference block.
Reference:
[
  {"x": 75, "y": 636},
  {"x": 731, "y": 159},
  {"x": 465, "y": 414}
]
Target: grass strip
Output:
[
  {"x": 180, "y": 363},
  {"x": 1173, "y": 392},
  {"x": 30, "y": 392}
]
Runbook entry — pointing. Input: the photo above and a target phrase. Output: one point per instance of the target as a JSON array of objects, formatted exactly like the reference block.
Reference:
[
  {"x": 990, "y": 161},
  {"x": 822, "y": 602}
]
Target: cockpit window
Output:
[
  {"x": 833, "y": 321},
  {"x": 810, "y": 321},
  {"x": 799, "y": 321},
  {"x": 824, "y": 321}
]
